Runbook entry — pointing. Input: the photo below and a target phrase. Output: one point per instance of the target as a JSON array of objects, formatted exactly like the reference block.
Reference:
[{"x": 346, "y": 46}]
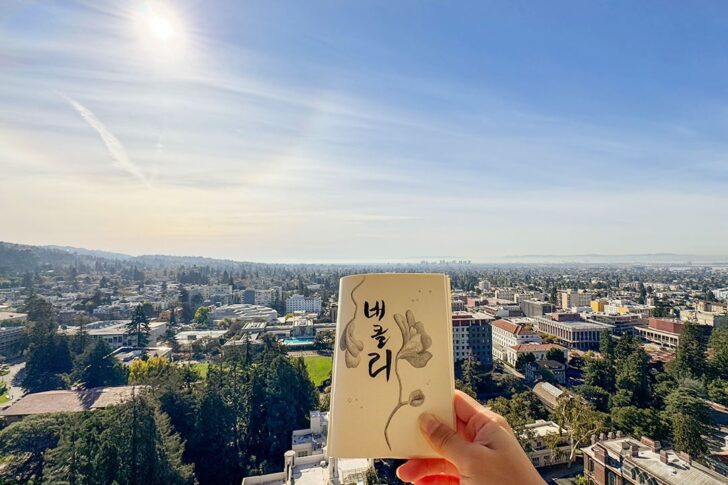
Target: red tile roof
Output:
[
  {"x": 511, "y": 327},
  {"x": 536, "y": 347}
]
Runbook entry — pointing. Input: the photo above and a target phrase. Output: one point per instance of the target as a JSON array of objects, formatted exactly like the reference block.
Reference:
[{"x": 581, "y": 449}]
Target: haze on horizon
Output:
[{"x": 320, "y": 131}]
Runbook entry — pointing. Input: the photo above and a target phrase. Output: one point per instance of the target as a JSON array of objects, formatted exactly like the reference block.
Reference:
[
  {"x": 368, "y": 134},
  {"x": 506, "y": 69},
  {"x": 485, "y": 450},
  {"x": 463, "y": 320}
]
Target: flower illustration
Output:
[
  {"x": 351, "y": 346},
  {"x": 415, "y": 343}
]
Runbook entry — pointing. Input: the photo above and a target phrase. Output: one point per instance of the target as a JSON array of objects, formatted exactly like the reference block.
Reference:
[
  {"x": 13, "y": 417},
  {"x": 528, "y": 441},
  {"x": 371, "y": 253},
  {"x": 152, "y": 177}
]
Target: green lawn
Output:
[
  {"x": 4, "y": 398},
  {"x": 319, "y": 368}
]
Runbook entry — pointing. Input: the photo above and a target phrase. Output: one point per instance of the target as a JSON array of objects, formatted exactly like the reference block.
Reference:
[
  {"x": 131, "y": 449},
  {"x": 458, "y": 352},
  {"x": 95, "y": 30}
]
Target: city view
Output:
[{"x": 185, "y": 184}]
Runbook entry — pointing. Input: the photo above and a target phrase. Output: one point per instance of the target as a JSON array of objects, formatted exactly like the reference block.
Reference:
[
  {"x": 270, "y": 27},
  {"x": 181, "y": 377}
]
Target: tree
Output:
[
  {"x": 524, "y": 359},
  {"x": 39, "y": 310},
  {"x": 689, "y": 418},
  {"x": 638, "y": 422},
  {"x": 600, "y": 373},
  {"x": 97, "y": 367},
  {"x": 596, "y": 396},
  {"x": 606, "y": 345},
  {"x": 49, "y": 359},
  {"x": 202, "y": 317},
  {"x": 718, "y": 391},
  {"x": 324, "y": 341},
  {"x": 579, "y": 421},
  {"x": 556, "y": 354},
  {"x": 130, "y": 443},
  {"x": 24, "y": 444},
  {"x": 521, "y": 409},
  {"x": 690, "y": 355},
  {"x": 718, "y": 353},
  {"x": 139, "y": 326},
  {"x": 633, "y": 384}
]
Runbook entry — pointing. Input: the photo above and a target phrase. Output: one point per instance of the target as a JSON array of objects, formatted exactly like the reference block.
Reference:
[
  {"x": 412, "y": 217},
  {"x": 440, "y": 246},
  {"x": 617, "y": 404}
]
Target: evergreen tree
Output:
[
  {"x": 718, "y": 353},
  {"x": 97, "y": 367},
  {"x": 606, "y": 345},
  {"x": 690, "y": 355},
  {"x": 600, "y": 373},
  {"x": 23, "y": 446},
  {"x": 690, "y": 420},
  {"x": 633, "y": 384},
  {"x": 139, "y": 326}
]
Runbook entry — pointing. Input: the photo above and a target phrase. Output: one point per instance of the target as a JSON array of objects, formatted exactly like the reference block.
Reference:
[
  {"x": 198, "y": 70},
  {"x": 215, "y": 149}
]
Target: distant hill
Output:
[
  {"x": 617, "y": 258},
  {"x": 90, "y": 252}
]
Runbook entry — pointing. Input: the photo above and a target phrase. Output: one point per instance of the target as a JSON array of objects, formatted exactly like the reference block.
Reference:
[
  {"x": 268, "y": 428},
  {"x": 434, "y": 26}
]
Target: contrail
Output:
[{"x": 113, "y": 145}]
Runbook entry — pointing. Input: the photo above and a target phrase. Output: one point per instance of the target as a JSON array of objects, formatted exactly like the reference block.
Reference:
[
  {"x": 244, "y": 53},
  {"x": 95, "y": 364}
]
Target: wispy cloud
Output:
[{"x": 113, "y": 145}]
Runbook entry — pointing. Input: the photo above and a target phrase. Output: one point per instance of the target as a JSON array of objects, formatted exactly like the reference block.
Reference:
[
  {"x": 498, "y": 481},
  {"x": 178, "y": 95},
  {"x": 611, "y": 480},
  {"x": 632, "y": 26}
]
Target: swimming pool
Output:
[{"x": 297, "y": 341}]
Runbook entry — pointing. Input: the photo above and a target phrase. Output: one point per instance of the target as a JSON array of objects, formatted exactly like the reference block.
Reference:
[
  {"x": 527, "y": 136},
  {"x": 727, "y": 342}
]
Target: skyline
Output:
[{"x": 274, "y": 131}]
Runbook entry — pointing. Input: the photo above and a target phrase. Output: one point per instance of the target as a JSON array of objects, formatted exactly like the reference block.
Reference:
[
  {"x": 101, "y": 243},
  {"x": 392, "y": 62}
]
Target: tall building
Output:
[
  {"x": 484, "y": 285},
  {"x": 471, "y": 335},
  {"x": 10, "y": 338},
  {"x": 508, "y": 334},
  {"x": 573, "y": 298},
  {"x": 249, "y": 296},
  {"x": 298, "y": 303}
]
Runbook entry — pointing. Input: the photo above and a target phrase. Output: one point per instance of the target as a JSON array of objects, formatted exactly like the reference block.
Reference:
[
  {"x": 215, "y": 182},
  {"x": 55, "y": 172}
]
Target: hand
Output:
[{"x": 482, "y": 451}]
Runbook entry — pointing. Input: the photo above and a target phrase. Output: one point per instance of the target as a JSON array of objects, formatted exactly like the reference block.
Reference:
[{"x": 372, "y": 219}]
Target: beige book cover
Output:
[{"x": 393, "y": 361}]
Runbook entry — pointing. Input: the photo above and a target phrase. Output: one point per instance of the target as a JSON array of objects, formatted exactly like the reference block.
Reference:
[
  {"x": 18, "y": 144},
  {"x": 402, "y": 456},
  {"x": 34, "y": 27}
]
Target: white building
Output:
[
  {"x": 508, "y": 334},
  {"x": 539, "y": 447},
  {"x": 538, "y": 350},
  {"x": 115, "y": 332},
  {"x": 244, "y": 312},
  {"x": 485, "y": 285},
  {"x": 297, "y": 303}
]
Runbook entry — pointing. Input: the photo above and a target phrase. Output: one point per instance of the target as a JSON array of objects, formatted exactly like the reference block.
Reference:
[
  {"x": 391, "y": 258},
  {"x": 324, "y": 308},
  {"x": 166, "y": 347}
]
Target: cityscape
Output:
[
  {"x": 604, "y": 371},
  {"x": 187, "y": 188}
]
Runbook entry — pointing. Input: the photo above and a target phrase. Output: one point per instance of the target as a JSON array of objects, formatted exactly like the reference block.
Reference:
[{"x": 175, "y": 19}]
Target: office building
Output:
[
  {"x": 539, "y": 351},
  {"x": 661, "y": 331},
  {"x": 115, "y": 332},
  {"x": 471, "y": 335},
  {"x": 10, "y": 338}
]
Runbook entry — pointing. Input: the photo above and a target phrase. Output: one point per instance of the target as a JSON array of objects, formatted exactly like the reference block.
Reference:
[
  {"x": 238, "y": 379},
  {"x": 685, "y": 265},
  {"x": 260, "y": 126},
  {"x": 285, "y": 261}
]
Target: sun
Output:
[
  {"x": 160, "y": 31},
  {"x": 160, "y": 27}
]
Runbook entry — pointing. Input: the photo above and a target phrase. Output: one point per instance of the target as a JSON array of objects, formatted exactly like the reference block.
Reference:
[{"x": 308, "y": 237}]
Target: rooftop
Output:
[
  {"x": 536, "y": 347},
  {"x": 69, "y": 401}
]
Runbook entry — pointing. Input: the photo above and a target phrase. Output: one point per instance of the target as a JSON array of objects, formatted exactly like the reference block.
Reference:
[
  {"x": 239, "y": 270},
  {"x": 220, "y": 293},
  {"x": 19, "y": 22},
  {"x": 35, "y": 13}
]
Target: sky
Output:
[{"x": 365, "y": 131}]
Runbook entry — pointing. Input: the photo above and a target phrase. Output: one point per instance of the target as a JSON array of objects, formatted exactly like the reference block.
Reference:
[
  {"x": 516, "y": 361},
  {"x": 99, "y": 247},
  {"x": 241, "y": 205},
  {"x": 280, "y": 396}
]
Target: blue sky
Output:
[{"x": 310, "y": 131}]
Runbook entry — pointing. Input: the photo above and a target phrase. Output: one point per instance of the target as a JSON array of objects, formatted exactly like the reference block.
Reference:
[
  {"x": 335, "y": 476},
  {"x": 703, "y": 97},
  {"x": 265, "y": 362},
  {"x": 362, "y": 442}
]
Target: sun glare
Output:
[{"x": 160, "y": 31}]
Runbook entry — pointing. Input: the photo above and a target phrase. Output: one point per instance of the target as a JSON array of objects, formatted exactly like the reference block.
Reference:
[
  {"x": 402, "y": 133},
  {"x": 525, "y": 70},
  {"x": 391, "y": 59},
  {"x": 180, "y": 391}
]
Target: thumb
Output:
[{"x": 445, "y": 440}]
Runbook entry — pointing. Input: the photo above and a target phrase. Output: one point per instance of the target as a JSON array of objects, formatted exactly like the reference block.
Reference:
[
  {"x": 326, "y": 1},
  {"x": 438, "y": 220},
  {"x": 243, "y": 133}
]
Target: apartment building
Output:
[
  {"x": 507, "y": 334},
  {"x": 472, "y": 335}
]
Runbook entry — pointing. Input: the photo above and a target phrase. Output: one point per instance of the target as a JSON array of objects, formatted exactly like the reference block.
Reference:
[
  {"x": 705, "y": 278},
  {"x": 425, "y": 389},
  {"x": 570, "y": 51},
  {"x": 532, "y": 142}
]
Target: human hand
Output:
[{"x": 484, "y": 450}]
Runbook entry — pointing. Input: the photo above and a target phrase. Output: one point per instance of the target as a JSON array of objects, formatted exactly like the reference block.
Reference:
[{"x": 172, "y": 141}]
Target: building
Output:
[
  {"x": 507, "y": 334},
  {"x": 618, "y": 460},
  {"x": 333, "y": 311},
  {"x": 297, "y": 303},
  {"x": 537, "y": 447},
  {"x": 458, "y": 305},
  {"x": 12, "y": 318},
  {"x": 664, "y": 332},
  {"x": 484, "y": 285},
  {"x": 535, "y": 308},
  {"x": 10, "y": 338},
  {"x": 249, "y": 296},
  {"x": 534, "y": 371},
  {"x": 307, "y": 461},
  {"x": 116, "y": 333},
  {"x": 67, "y": 401},
  {"x": 573, "y": 298},
  {"x": 189, "y": 337},
  {"x": 311, "y": 441},
  {"x": 505, "y": 294},
  {"x": 539, "y": 351},
  {"x": 244, "y": 312},
  {"x": 548, "y": 394},
  {"x": 571, "y": 333},
  {"x": 621, "y": 323},
  {"x": 472, "y": 335}
]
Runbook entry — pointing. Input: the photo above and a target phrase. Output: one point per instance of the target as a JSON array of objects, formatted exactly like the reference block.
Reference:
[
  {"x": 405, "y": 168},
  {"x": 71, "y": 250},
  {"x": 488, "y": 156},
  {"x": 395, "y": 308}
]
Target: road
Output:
[{"x": 13, "y": 379}]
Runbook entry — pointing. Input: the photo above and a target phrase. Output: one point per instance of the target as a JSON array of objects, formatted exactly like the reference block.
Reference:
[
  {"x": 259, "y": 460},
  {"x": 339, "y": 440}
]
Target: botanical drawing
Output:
[
  {"x": 348, "y": 343},
  {"x": 415, "y": 343}
]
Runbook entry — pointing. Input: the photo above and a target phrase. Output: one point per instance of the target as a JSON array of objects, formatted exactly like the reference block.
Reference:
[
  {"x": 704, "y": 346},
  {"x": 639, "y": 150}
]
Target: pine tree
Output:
[
  {"x": 139, "y": 326},
  {"x": 690, "y": 420},
  {"x": 690, "y": 355},
  {"x": 606, "y": 345},
  {"x": 718, "y": 353}
]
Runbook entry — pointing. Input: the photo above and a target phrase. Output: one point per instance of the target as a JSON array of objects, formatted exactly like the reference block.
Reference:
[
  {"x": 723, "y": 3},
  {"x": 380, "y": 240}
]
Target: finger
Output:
[
  {"x": 466, "y": 407},
  {"x": 418, "y": 468},
  {"x": 445, "y": 440},
  {"x": 410, "y": 318},
  {"x": 438, "y": 480}
]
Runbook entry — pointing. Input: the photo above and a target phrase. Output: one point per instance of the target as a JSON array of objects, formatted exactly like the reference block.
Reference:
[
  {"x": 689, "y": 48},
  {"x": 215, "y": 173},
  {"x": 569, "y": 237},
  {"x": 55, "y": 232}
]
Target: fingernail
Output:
[{"x": 428, "y": 423}]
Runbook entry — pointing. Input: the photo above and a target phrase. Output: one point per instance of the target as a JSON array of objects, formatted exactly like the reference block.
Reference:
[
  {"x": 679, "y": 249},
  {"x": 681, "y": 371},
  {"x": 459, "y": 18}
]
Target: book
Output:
[{"x": 393, "y": 361}]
